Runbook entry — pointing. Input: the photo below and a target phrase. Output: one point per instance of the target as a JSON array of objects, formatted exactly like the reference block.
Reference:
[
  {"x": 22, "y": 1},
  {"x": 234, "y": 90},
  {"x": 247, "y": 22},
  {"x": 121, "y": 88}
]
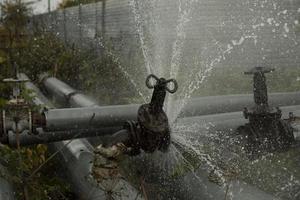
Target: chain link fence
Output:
[
  {"x": 94, "y": 26},
  {"x": 189, "y": 34}
]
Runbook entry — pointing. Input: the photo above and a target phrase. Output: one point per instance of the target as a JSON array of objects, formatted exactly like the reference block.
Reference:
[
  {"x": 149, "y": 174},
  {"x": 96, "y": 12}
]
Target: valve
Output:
[
  {"x": 16, "y": 115},
  {"x": 266, "y": 131},
  {"x": 152, "y": 120},
  {"x": 151, "y": 131}
]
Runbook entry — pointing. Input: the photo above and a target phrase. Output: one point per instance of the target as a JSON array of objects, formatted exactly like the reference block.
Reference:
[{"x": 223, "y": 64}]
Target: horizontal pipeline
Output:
[
  {"x": 77, "y": 156},
  {"x": 116, "y": 116},
  {"x": 204, "y": 188},
  {"x": 42, "y": 137},
  {"x": 105, "y": 126},
  {"x": 194, "y": 107},
  {"x": 203, "y": 191},
  {"x": 38, "y": 98},
  {"x": 64, "y": 94},
  {"x": 88, "y": 117}
]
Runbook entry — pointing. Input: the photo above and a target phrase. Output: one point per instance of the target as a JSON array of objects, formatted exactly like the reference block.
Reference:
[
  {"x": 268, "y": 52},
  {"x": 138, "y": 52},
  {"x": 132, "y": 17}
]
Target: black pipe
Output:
[{"x": 42, "y": 137}]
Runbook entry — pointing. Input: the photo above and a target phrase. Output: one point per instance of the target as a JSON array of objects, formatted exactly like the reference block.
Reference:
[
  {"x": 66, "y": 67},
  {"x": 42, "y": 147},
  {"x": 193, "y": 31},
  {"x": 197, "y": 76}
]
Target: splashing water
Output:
[
  {"x": 184, "y": 17},
  {"x": 166, "y": 43},
  {"x": 99, "y": 41},
  {"x": 164, "y": 51},
  {"x": 137, "y": 17}
]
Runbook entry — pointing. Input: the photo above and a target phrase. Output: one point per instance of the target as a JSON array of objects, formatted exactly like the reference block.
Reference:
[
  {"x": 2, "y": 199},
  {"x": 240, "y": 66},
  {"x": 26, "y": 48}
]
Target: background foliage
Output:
[
  {"x": 45, "y": 184},
  {"x": 21, "y": 163},
  {"x": 70, "y": 3}
]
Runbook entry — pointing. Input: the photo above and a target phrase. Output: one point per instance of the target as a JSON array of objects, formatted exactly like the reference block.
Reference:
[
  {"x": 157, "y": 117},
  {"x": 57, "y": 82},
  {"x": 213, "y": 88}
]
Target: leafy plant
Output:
[
  {"x": 21, "y": 164},
  {"x": 81, "y": 68}
]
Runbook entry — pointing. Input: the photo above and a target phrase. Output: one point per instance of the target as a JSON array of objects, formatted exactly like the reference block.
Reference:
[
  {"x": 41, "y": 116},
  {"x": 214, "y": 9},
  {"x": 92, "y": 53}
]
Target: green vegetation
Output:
[
  {"x": 70, "y": 3},
  {"x": 13, "y": 39},
  {"x": 22, "y": 163},
  {"x": 45, "y": 184},
  {"x": 34, "y": 54},
  {"x": 82, "y": 69},
  {"x": 13, "y": 34}
]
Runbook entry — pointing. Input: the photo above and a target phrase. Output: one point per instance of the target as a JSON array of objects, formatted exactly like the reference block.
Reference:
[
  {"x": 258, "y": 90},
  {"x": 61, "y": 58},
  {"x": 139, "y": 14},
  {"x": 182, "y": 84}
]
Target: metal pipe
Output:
[
  {"x": 196, "y": 184},
  {"x": 88, "y": 117},
  {"x": 77, "y": 156},
  {"x": 116, "y": 116},
  {"x": 195, "y": 106},
  {"x": 80, "y": 157},
  {"x": 38, "y": 99},
  {"x": 64, "y": 94},
  {"x": 181, "y": 188},
  {"x": 207, "y": 119},
  {"x": 42, "y": 137},
  {"x": 233, "y": 103}
]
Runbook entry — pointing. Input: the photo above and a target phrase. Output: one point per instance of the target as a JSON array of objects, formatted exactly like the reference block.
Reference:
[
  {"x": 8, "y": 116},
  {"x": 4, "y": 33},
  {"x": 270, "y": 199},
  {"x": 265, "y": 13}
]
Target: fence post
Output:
[
  {"x": 103, "y": 19},
  {"x": 53, "y": 21},
  {"x": 96, "y": 19},
  {"x": 1, "y": 11},
  {"x": 103, "y": 31},
  {"x": 80, "y": 22},
  {"x": 65, "y": 26}
]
